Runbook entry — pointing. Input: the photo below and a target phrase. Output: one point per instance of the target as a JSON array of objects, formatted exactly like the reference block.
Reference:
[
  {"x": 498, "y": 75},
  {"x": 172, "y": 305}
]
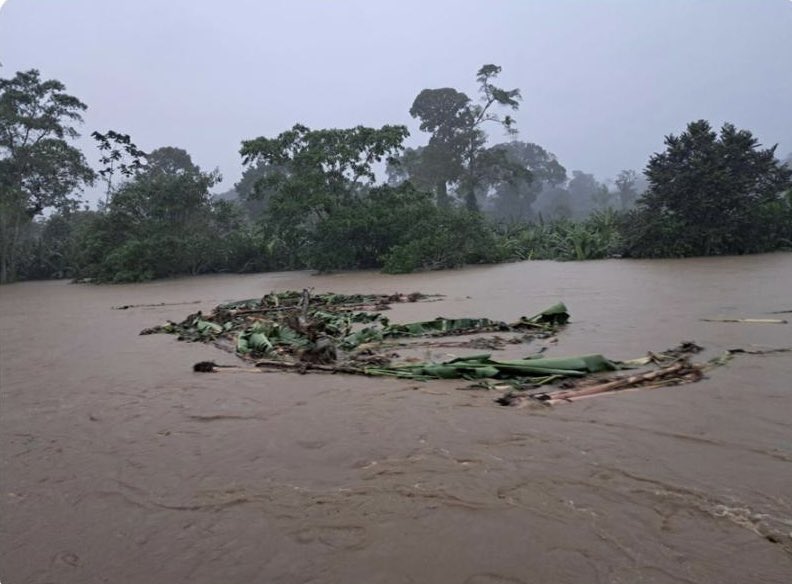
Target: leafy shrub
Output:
[
  {"x": 446, "y": 238},
  {"x": 596, "y": 237}
]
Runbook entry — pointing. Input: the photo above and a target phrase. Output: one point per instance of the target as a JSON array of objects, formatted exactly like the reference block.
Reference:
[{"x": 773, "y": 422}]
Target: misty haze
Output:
[{"x": 477, "y": 292}]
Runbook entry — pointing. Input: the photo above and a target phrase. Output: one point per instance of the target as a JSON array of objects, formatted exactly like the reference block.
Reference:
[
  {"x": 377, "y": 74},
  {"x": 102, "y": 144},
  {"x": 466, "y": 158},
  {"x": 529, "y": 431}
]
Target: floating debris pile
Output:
[
  {"x": 348, "y": 334},
  {"x": 671, "y": 367},
  {"x": 294, "y": 330}
]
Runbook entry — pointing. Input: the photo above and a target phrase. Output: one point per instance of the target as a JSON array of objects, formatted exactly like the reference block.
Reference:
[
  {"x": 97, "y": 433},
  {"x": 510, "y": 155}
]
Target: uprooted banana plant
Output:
[{"x": 298, "y": 328}]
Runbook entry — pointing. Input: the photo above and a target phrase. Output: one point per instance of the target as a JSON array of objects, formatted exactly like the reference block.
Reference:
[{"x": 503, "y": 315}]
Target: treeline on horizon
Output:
[{"x": 312, "y": 199}]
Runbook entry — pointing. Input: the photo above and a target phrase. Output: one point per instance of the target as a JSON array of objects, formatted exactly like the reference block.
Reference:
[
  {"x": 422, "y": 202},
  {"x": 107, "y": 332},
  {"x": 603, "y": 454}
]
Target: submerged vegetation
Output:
[{"x": 312, "y": 199}]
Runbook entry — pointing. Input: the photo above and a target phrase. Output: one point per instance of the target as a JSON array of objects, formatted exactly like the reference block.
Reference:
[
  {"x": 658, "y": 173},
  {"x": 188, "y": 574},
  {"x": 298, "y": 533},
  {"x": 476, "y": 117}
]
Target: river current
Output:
[{"x": 119, "y": 464}]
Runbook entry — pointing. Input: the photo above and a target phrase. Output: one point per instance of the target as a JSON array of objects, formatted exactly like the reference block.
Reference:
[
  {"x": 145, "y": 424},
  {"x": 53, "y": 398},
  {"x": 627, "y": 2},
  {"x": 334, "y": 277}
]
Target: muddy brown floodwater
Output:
[{"x": 119, "y": 464}]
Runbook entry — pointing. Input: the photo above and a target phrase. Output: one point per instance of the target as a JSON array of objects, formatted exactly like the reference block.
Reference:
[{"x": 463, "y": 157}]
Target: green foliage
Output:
[
  {"x": 447, "y": 238},
  {"x": 310, "y": 198},
  {"x": 39, "y": 168},
  {"x": 313, "y": 174},
  {"x": 289, "y": 327},
  {"x": 361, "y": 235},
  {"x": 776, "y": 216},
  {"x": 252, "y": 190},
  {"x": 51, "y": 248},
  {"x": 594, "y": 238},
  {"x": 710, "y": 194},
  {"x": 161, "y": 223}
]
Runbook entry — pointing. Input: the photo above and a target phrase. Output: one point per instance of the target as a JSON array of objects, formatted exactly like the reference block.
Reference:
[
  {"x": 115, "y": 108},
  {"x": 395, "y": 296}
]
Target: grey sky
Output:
[{"x": 603, "y": 80}]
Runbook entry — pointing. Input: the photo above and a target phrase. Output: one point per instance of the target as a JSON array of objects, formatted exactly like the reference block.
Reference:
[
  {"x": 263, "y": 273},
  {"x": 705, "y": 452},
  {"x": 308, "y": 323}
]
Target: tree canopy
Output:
[
  {"x": 39, "y": 168},
  {"x": 708, "y": 194},
  {"x": 313, "y": 198},
  {"x": 314, "y": 172}
]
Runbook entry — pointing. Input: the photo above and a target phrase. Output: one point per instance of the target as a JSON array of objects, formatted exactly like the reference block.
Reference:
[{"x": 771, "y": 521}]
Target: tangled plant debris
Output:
[
  {"x": 347, "y": 333},
  {"x": 671, "y": 367}
]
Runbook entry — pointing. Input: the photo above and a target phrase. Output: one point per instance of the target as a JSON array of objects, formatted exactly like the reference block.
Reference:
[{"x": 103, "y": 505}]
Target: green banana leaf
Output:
[
  {"x": 263, "y": 326},
  {"x": 556, "y": 314},
  {"x": 208, "y": 328},
  {"x": 483, "y": 367},
  {"x": 441, "y": 325},
  {"x": 263, "y": 337},
  {"x": 364, "y": 335},
  {"x": 259, "y": 342}
]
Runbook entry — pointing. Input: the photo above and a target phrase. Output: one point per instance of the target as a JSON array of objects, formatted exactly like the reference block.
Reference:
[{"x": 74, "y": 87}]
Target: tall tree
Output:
[
  {"x": 709, "y": 194},
  {"x": 458, "y": 141},
  {"x": 39, "y": 168}
]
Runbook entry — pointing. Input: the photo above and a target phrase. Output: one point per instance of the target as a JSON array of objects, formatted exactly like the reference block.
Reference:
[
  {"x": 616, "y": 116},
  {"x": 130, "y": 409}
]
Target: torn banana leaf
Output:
[
  {"x": 284, "y": 324},
  {"x": 208, "y": 328},
  {"x": 484, "y": 367},
  {"x": 442, "y": 325},
  {"x": 554, "y": 315},
  {"x": 263, "y": 337},
  {"x": 363, "y": 336}
]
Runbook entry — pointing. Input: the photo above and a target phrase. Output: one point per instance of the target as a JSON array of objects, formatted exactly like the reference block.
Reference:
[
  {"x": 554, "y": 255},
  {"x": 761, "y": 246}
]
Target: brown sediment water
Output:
[{"x": 119, "y": 464}]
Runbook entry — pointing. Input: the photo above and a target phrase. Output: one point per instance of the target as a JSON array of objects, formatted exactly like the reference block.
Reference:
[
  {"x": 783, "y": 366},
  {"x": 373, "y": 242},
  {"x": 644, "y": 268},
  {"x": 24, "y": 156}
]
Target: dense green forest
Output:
[{"x": 358, "y": 198}]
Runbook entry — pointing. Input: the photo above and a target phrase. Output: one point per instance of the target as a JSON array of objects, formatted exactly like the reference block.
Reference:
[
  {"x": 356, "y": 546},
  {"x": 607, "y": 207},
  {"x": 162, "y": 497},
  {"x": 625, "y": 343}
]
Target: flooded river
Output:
[{"x": 119, "y": 464}]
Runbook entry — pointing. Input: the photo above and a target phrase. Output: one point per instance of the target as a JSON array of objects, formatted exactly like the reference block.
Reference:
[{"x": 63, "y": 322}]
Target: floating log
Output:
[{"x": 747, "y": 320}]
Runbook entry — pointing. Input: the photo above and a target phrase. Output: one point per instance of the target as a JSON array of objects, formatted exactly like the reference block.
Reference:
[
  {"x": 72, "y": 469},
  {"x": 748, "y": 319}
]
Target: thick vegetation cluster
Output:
[
  {"x": 712, "y": 194},
  {"x": 311, "y": 199}
]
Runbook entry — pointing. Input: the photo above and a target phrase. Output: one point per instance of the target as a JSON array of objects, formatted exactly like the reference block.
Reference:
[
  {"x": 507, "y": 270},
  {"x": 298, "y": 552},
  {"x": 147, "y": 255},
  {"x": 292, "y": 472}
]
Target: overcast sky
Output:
[{"x": 602, "y": 80}]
